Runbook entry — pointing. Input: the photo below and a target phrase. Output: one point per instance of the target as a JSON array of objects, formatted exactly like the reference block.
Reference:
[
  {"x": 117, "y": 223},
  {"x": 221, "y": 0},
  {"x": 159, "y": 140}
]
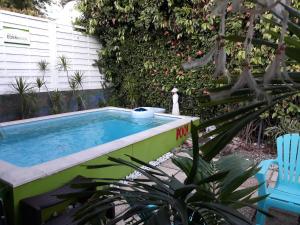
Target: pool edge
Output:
[{"x": 16, "y": 176}]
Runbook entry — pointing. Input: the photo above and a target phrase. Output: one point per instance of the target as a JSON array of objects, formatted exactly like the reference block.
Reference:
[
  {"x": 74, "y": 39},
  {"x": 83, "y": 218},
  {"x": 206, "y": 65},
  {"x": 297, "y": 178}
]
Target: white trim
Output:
[{"x": 17, "y": 176}]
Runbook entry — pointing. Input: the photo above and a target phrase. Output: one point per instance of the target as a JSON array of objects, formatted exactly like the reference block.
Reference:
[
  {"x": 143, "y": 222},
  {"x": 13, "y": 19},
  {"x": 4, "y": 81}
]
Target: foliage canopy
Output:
[{"x": 31, "y": 7}]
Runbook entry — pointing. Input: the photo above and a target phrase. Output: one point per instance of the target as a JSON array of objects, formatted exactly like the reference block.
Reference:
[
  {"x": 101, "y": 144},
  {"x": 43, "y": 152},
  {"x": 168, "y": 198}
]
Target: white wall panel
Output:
[{"x": 48, "y": 41}]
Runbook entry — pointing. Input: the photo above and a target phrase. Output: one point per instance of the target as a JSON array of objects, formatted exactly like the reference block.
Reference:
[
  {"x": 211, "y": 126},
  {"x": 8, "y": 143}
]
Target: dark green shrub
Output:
[{"x": 145, "y": 43}]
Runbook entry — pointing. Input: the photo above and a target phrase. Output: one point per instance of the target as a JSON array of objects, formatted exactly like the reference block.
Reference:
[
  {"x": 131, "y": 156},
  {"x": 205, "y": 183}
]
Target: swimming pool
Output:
[
  {"x": 40, "y": 154},
  {"x": 36, "y": 148},
  {"x": 37, "y": 142}
]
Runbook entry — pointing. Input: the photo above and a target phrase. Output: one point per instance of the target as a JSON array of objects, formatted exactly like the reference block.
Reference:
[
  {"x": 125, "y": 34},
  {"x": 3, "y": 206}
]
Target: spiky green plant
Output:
[
  {"x": 73, "y": 85},
  {"x": 26, "y": 94},
  {"x": 76, "y": 81},
  {"x": 56, "y": 101},
  {"x": 21, "y": 86},
  {"x": 78, "y": 78},
  {"x": 39, "y": 83},
  {"x": 63, "y": 64},
  {"x": 43, "y": 66}
]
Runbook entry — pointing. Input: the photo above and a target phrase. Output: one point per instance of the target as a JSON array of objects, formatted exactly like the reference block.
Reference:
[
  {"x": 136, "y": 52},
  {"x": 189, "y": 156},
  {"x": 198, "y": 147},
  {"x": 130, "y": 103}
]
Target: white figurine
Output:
[{"x": 175, "y": 109}]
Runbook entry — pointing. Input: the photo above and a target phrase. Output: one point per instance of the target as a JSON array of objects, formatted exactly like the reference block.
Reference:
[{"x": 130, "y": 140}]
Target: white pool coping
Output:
[{"x": 16, "y": 176}]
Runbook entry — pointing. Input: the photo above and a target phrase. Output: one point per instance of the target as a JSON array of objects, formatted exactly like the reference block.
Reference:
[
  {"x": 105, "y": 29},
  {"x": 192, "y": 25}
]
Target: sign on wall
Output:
[
  {"x": 182, "y": 132},
  {"x": 18, "y": 36}
]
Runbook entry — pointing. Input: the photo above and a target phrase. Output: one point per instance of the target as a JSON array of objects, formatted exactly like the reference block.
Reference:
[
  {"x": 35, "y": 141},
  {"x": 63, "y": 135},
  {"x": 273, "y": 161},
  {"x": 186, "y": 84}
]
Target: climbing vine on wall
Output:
[{"x": 145, "y": 42}]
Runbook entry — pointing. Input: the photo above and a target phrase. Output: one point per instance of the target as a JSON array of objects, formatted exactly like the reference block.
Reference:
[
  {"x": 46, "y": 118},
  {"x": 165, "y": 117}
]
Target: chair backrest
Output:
[{"x": 288, "y": 150}]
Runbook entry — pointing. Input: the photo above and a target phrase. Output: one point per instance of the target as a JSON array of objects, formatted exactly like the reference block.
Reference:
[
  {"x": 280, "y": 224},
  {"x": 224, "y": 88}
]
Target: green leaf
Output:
[
  {"x": 202, "y": 194},
  {"x": 235, "y": 183},
  {"x": 240, "y": 194},
  {"x": 293, "y": 53},
  {"x": 230, "y": 215},
  {"x": 195, "y": 136},
  {"x": 236, "y": 164},
  {"x": 101, "y": 166},
  {"x": 231, "y": 115},
  {"x": 161, "y": 217},
  {"x": 294, "y": 28},
  {"x": 255, "y": 41},
  {"x": 213, "y": 178},
  {"x": 292, "y": 11}
]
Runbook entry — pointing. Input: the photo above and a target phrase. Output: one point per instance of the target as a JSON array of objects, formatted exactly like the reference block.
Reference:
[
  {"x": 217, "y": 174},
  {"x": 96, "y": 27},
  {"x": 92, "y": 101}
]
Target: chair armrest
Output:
[{"x": 261, "y": 175}]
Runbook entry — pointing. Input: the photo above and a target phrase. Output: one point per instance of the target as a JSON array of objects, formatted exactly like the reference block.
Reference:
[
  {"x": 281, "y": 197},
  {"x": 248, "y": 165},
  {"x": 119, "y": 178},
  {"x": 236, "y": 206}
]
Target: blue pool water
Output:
[{"x": 33, "y": 143}]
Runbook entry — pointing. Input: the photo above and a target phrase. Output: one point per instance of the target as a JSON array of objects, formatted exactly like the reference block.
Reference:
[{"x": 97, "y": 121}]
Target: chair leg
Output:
[{"x": 260, "y": 217}]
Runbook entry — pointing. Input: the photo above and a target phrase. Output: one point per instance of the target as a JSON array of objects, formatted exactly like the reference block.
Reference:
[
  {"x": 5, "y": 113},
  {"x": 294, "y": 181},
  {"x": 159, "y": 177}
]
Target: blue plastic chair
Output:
[{"x": 286, "y": 193}]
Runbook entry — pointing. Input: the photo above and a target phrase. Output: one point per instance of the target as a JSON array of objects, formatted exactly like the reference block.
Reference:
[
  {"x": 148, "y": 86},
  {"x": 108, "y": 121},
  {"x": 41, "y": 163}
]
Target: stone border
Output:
[{"x": 16, "y": 176}]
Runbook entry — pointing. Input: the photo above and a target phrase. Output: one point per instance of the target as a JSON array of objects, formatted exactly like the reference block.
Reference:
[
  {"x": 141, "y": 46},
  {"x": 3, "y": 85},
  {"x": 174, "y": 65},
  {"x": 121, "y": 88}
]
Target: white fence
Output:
[{"x": 26, "y": 40}]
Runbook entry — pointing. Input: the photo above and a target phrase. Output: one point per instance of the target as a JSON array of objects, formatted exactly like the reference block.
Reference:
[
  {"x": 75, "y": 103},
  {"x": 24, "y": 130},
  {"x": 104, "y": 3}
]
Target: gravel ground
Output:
[{"x": 252, "y": 152}]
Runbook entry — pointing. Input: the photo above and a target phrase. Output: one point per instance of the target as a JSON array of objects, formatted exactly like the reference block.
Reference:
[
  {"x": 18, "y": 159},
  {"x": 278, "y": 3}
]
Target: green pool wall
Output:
[{"x": 146, "y": 150}]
